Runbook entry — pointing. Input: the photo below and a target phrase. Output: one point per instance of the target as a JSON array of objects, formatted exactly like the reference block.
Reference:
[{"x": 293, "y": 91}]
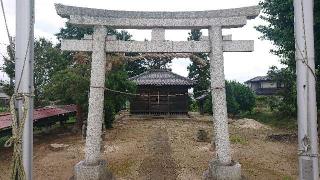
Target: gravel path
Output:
[{"x": 159, "y": 164}]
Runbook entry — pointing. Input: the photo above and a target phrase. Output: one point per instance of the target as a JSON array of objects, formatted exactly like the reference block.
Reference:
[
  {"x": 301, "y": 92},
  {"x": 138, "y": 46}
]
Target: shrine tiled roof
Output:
[{"x": 161, "y": 77}]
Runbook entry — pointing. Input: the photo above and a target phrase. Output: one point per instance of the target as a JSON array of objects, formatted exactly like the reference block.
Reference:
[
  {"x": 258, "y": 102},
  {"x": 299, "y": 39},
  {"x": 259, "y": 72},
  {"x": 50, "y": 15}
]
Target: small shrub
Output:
[{"x": 193, "y": 105}]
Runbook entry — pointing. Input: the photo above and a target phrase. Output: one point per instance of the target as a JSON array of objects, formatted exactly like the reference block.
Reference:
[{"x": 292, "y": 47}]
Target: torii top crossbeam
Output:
[
  {"x": 228, "y": 18},
  {"x": 158, "y": 22}
]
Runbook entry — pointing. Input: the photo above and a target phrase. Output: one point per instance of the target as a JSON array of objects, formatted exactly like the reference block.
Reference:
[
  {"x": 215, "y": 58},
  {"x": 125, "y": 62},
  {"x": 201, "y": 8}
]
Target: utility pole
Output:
[
  {"x": 306, "y": 91},
  {"x": 24, "y": 57}
]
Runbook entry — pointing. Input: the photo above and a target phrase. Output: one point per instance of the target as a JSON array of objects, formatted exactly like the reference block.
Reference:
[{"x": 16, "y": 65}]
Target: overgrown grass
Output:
[
  {"x": 237, "y": 139},
  {"x": 272, "y": 118},
  {"x": 263, "y": 113},
  {"x": 287, "y": 178}
]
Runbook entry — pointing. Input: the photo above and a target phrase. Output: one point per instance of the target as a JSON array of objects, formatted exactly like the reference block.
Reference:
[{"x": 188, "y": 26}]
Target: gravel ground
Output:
[{"x": 164, "y": 149}]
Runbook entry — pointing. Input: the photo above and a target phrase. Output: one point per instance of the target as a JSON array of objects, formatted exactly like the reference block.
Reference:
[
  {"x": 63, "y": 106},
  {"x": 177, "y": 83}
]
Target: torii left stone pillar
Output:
[{"x": 93, "y": 167}]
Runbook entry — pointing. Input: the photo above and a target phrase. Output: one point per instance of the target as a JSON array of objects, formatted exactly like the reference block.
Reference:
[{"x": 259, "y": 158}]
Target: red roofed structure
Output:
[{"x": 40, "y": 115}]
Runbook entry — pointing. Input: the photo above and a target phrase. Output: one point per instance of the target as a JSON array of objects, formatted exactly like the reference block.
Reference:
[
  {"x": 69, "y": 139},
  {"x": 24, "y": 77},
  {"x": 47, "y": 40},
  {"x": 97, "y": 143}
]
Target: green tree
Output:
[
  {"x": 239, "y": 99},
  {"x": 72, "y": 85},
  {"x": 200, "y": 74},
  {"x": 48, "y": 59},
  {"x": 134, "y": 68},
  {"x": 8, "y": 66},
  {"x": 156, "y": 63},
  {"x": 287, "y": 105},
  {"x": 73, "y": 32},
  {"x": 280, "y": 30},
  {"x": 117, "y": 79}
]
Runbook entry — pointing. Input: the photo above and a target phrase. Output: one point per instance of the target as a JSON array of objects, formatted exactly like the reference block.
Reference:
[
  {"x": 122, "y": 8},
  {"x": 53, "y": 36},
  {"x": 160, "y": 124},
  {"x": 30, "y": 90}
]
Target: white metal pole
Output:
[
  {"x": 306, "y": 99},
  {"x": 302, "y": 90},
  {"x": 24, "y": 74},
  {"x": 312, "y": 104}
]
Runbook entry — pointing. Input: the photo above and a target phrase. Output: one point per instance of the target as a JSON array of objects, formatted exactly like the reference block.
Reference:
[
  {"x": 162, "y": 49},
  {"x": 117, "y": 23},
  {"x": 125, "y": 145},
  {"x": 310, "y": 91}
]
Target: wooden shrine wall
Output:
[{"x": 160, "y": 100}]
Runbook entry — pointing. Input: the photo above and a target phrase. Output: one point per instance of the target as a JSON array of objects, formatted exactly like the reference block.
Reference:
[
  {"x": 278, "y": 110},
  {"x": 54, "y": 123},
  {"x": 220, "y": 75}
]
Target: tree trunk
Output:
[{"x": 79, "y": 118}]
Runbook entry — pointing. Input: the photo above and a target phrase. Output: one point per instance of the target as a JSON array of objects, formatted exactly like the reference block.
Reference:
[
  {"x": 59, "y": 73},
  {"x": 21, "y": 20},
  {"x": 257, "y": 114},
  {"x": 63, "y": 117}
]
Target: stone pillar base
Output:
[
  {"x": 99, "y": 171},
  {"x": 218, "y": 171}
]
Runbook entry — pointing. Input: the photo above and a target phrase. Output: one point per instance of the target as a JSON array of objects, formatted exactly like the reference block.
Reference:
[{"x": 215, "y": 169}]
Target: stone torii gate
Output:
[{"x": 222, "y": 166}]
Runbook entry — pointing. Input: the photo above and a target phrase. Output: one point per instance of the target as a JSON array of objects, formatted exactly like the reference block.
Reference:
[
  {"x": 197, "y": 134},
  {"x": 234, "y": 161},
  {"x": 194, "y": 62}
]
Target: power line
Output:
[
  {"x": 6, "y": 25},
  {"x": 145, "y": 95},
  {"x": 304, "y": 59}
]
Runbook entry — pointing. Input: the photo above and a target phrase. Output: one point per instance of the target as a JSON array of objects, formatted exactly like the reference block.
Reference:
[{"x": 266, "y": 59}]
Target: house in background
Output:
[
  {"x": 201, "y": 100},
  {"x": 161, "y": 92},
  {"x": 263, "y": 85},
  {"x": 4, "y": 98}
]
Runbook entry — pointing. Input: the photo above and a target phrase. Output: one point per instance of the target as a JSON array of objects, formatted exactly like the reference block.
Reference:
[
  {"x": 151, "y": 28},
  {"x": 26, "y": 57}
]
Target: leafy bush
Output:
[{"x": 239, "y": 99}]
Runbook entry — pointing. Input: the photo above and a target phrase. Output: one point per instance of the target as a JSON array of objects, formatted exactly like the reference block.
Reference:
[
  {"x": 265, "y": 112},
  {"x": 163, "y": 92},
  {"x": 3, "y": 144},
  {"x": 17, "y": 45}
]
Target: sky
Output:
[{"x": 238, "y": 66}]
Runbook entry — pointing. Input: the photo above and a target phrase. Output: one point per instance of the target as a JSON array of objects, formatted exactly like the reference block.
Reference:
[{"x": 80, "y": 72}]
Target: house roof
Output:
[
  {"x": 161, "y": 77},
  {"x": 203, "y": 96},
  {"x": 259, "y": 79}
]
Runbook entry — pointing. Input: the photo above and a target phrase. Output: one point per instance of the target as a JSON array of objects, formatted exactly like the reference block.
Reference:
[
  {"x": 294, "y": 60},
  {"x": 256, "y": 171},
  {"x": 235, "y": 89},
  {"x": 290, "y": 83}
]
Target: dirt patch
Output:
[
  {"x": 250, "y": 124},
  {"x": 162, "y": 149}
]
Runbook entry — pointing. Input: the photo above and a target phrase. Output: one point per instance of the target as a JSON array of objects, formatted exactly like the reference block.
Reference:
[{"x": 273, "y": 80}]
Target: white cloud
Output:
[{"x": 238, "y": 66}]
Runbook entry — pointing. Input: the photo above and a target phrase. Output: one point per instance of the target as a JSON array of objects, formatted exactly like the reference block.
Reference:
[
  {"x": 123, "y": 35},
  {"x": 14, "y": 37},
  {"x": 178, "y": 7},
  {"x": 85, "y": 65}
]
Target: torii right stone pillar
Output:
[{"x": 222, "y": 166}]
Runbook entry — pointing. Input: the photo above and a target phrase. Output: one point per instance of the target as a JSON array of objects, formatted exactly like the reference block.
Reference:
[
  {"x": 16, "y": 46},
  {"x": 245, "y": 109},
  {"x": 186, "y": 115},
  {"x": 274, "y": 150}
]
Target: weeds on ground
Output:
[
  {"x": 236, "y": 139},
  {"x": 287, "y": 178},
  {"x": 272, "y": 118}
]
